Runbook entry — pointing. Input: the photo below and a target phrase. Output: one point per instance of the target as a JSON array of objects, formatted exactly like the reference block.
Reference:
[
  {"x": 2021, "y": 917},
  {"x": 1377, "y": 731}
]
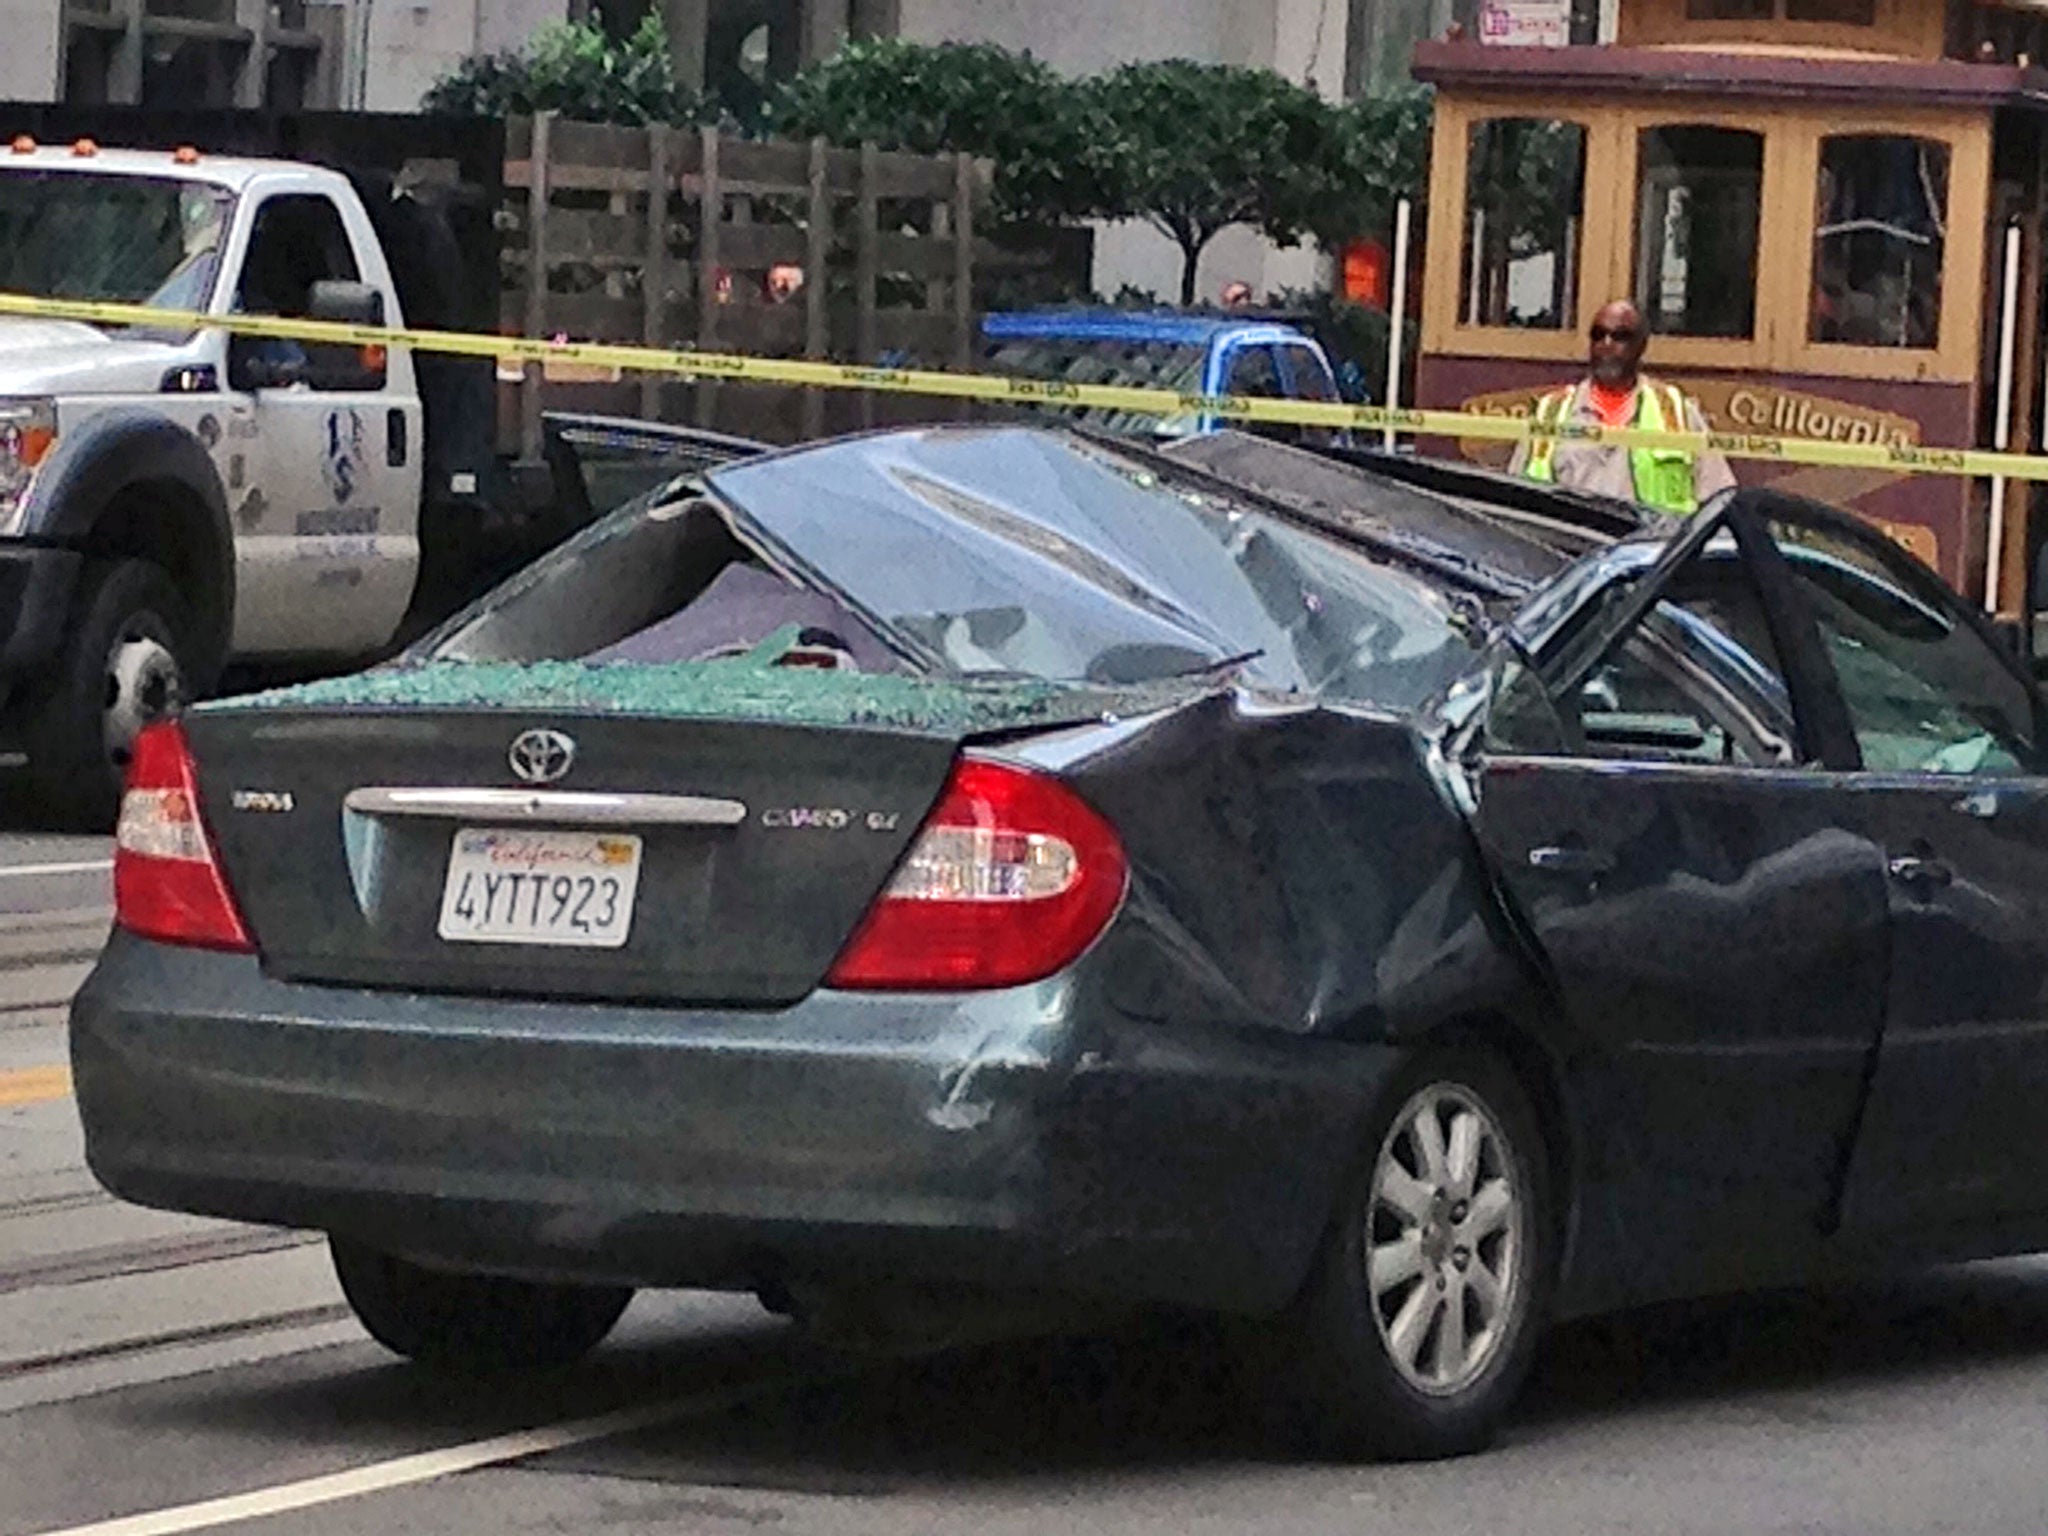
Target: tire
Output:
[
  {"x": 1365, "y": 1365},
  {"x": 472, "y": 1324},
  {"x": 125, "y": 661}
]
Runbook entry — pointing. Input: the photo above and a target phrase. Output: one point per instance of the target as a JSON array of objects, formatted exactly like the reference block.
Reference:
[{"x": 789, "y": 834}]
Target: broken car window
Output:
[
  {"x": 981, "y": 553},
  {"x": 659, "y": 581},
  {"x": 1926, "y": 693},
  {"x": 1010, "y": 551},
  {"x": 1695, "y": 680}
]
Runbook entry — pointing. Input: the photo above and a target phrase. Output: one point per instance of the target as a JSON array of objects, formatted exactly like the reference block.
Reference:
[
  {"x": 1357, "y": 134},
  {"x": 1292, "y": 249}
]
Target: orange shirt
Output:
[{"x": 1617, "y": 407}]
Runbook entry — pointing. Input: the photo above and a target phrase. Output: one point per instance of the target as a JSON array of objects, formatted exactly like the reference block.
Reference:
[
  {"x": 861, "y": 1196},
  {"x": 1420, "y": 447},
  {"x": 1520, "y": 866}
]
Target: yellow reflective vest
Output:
[{"x": 1664, "y": 477}]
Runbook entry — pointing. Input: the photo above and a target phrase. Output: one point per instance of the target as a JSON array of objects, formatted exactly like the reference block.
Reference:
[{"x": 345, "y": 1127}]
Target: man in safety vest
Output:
[{"x": 1676, "y": 481}]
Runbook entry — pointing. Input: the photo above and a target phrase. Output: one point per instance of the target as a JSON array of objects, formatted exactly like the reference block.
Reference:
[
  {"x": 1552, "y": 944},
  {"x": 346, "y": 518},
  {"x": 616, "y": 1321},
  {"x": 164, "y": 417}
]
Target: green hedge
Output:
[{"x": 1190, "y": 148}]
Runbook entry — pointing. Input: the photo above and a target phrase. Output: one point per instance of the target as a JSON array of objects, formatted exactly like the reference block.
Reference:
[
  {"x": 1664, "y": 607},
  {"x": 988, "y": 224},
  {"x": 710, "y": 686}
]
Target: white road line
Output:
[
  {"x": 82, "y": 867},
  {"x": 403, "y": 1472}
]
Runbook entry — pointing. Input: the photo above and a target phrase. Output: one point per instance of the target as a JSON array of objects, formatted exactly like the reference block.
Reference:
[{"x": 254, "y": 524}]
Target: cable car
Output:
[{"x": 1819, "y": 205}]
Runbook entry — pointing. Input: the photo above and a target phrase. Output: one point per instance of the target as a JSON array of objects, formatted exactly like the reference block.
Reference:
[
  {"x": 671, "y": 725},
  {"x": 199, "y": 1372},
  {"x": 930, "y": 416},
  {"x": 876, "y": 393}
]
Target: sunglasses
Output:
[{"x": 1617, "y": 333}]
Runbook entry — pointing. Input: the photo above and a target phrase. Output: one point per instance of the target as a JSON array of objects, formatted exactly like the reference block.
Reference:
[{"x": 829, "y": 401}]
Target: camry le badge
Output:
[
  {"x": 540, "y": 756},
  {"x": 828, "y": 818}
]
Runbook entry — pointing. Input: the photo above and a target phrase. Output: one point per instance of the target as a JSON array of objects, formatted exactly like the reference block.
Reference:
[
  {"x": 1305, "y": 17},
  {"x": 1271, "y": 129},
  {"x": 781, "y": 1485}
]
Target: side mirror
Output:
[
  {"x": 345, "y": 303},
  {"x": 331, "y": 366}
]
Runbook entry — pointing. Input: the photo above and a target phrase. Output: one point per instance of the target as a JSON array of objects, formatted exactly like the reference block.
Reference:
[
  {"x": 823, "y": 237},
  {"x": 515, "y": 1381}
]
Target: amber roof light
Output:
[
  {"x": 85, "y": 149},
  {"x": 185, "y": 154},
  {"x": 23, "y": 144}
]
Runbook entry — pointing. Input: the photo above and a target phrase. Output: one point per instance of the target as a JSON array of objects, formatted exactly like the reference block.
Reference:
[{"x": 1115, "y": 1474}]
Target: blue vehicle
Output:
[{"x": 1195, "y": 354}]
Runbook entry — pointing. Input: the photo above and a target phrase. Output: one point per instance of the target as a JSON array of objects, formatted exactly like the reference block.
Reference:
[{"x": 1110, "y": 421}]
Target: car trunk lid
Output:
[{"x": 747, "y": 815}]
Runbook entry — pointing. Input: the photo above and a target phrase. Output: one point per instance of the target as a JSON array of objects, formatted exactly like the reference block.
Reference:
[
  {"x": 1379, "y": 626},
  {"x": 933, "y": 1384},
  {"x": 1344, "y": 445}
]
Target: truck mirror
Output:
[{"x": 345, "y": 303}]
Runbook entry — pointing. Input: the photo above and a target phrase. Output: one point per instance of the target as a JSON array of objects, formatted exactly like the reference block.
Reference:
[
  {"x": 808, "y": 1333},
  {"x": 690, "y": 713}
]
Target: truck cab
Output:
[
  {"x": 173, "y": 500},
  {"x": 1191, "y": 353}
]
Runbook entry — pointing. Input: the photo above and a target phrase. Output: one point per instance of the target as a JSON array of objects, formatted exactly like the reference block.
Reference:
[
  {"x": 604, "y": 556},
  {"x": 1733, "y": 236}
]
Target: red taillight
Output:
[
  {"x": 167, "y": 882},
  {"x": 1011, "y": 878}
]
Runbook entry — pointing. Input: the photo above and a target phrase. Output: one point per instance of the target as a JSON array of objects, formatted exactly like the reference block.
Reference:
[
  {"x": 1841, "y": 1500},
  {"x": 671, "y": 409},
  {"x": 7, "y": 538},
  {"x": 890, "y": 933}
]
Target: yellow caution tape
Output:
[{"x": 733, "y": 367}]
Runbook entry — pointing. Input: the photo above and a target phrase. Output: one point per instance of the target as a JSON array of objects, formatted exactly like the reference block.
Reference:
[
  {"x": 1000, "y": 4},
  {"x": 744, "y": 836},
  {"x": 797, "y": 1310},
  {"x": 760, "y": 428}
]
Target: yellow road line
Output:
[
  {"x": 409, "y": 1471},
  {"x": 34, "y": 1085}
]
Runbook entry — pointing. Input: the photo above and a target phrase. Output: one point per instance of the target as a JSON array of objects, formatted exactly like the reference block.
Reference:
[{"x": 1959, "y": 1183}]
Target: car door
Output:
[
  {"x": 1716, "y": 940},
  {"x": 327, "y": 519},
  {"x": 1949, "y": 733}
]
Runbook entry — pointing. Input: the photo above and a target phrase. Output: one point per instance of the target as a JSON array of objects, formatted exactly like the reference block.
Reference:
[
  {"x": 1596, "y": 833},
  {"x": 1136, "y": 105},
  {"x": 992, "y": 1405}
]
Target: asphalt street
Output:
[{"x": 160, "y": 1373}]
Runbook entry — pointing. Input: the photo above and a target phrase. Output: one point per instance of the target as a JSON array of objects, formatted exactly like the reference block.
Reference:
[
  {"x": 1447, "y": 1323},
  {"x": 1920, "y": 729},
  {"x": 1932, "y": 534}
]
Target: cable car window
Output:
[
  {"x": 1525, "y": 199},
  {"x": 1699, "y": 196},
  {"x": 1880, "y": 237}
]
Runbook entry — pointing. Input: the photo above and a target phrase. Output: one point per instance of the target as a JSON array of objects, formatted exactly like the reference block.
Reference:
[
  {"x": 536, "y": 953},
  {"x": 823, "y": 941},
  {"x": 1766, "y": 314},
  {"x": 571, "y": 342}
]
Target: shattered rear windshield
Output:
[{"x": 978, "y": 554}]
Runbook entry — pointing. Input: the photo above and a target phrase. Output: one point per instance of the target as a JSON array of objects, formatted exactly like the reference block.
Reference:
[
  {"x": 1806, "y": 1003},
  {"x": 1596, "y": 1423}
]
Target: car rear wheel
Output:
[
  {"x": 1418, "y": 1325},
  {"x": 466, "y": 1322}
]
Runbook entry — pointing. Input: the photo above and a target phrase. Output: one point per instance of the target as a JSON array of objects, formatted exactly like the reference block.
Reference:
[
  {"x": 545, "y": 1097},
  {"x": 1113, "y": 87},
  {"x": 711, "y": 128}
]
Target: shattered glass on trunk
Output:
[{"x": 746, "y": 688}]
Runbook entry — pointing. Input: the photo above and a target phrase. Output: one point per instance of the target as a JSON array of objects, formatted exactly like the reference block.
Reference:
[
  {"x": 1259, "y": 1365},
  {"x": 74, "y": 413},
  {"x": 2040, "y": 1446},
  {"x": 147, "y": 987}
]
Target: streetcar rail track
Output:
[
  {"x": 146, "y": 1256},
  {"x": 39, "y": 938},
  {"x": 21, "y": 1021},
  {"x": 52, "y": 1204},
  {"x": 298, "y": 1318}
]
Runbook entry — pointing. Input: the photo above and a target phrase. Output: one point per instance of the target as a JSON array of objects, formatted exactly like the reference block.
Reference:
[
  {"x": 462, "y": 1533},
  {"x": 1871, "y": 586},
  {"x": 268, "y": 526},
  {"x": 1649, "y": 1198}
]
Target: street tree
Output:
[
  {"x": 1032, "y": 123},
  {"x": 1376, "y": 153},
  {"x": 1195, "y": 148}
]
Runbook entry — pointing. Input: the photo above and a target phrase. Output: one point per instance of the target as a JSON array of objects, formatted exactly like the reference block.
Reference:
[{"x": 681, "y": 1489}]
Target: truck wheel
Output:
[
  {"x": 123, "y": 665},
  {"x": 464, "y": 1323}
]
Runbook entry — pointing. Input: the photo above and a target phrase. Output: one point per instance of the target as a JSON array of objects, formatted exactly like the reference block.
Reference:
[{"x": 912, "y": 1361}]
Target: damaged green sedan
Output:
[{"x": 978, "y": 871}]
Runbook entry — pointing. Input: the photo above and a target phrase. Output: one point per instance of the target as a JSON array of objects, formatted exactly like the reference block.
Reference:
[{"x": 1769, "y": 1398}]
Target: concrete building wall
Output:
[
  {"x": 1302, "y": 39},
  {"x": 1078, "y": 36},
  {"x": 511, "y": 23},
  {"x": 412, "y": 43},
  {"x": 29, "y": 64}
]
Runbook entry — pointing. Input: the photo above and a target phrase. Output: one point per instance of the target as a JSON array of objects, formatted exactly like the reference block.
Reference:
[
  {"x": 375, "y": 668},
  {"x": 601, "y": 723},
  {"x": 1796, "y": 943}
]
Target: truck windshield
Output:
[
  {"x": 119, "y": 239},
  {"x": 1102, "y": 360}
]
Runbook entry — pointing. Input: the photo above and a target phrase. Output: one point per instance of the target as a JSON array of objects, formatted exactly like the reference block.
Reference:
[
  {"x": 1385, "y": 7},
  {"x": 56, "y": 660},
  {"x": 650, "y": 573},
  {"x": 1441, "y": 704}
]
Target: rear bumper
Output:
[{"x": 995, "y": 1141}]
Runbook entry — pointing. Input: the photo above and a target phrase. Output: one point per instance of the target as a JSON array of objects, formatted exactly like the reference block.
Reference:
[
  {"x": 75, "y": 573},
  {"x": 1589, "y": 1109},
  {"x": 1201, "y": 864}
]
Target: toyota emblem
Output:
[{"x": 541, "y": 757}]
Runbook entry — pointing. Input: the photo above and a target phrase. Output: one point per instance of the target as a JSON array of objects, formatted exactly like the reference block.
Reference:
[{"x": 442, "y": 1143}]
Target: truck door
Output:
[{"x": 327, "y": 514}]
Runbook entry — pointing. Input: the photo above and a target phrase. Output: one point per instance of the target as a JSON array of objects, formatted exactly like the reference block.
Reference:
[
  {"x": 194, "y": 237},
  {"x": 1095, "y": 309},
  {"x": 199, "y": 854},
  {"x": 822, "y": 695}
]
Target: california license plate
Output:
[{"x": 507, "y": 885}]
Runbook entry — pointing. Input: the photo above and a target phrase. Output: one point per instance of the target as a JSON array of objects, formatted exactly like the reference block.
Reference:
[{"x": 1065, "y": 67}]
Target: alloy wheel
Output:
[{"x": 1445, "y": 1240}]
